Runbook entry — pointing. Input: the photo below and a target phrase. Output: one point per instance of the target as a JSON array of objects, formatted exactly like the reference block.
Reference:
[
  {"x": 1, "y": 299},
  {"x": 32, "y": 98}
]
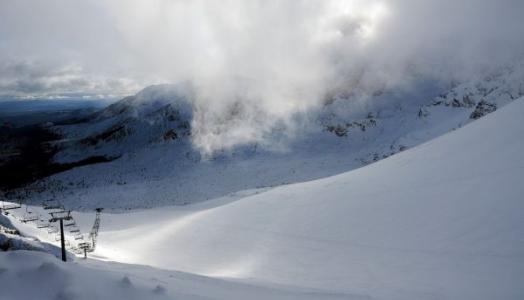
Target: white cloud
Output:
[{"x": 276, "y": 57}]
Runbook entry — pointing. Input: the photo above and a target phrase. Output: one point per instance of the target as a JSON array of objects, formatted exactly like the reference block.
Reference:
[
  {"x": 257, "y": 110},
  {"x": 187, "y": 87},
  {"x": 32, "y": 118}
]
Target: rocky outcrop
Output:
[{"x": 483, "y": 108}]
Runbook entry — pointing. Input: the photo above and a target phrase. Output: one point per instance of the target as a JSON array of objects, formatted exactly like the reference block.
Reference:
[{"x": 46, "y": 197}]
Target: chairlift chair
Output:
[
  {"x": 79, "y": 237},
  {"x": 42, "y": 224},
  {"x": 71, "y": 223},
  {"x": 11, "y": 206},
  {"x": 76, "y": 230},
  {"x": 29, "y": 218},
  {"x": 84, "y": 245},
  {"x": 87, "y": 246},
  {"x": 52, "y": 204}
]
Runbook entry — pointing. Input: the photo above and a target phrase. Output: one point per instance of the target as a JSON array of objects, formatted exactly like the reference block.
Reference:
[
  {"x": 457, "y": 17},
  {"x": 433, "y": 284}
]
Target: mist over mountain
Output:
[
  {"x": 271, "y": 59},
  {"x": 261, "y": 149}
]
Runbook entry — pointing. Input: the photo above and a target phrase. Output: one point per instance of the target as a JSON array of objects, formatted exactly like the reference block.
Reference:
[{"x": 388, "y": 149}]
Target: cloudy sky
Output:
[{"x": 278, "y": 50}]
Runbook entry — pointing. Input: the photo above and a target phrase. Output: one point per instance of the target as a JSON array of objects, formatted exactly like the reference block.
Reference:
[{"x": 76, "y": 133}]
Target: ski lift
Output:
[
  {"x": 84, "y": 245},
  {"x": 94, "y": 230},
  {"x": 52, "y": 204},
  {"x": 10, "y": 206},
  {"x": 29, "y": 216},
  {"x": 79, "y": 237},
  {"x": 71, "y": 223},
  {"x": 42, "y": 224},
  {"x": 76, "y": 230},
  {"x": 60, "y": 215}
]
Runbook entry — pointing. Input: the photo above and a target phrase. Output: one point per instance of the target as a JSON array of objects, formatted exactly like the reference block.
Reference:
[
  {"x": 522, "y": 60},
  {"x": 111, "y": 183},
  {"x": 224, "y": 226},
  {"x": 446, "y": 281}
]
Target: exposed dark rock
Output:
[
  {"x": 339, "y": 130},
  {"x": 170, "y": 135},
  {"x": 343, "y": 129},
  {"x": 116, "y": 132},
  {"x": 483, "y": 108}
]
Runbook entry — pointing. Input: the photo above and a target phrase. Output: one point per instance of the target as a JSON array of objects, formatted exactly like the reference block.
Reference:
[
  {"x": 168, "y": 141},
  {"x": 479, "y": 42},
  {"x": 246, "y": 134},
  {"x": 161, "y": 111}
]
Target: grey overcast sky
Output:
[{"x": 276, "y": 50}]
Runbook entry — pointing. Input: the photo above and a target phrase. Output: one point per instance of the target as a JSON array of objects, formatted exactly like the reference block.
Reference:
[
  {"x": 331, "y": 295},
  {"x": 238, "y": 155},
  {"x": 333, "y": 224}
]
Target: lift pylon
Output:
[
  {"x": 61, "y": 216},
  {"x": 94, "y": 231}
]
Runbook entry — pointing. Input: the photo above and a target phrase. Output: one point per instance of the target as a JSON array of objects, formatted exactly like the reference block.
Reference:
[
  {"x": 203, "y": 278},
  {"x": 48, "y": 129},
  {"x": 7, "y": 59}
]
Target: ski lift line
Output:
[{"x": 62, "y": 216}]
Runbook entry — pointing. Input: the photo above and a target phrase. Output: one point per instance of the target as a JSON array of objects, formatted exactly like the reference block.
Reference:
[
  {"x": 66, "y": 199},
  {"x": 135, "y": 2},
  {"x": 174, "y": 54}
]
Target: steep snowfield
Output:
[{"x": 440, "y": 221}]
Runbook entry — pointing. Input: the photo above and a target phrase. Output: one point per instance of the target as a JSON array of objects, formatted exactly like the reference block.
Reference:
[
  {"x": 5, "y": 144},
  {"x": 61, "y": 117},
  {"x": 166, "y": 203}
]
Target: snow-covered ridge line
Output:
[{"x": 158, "y": 165}]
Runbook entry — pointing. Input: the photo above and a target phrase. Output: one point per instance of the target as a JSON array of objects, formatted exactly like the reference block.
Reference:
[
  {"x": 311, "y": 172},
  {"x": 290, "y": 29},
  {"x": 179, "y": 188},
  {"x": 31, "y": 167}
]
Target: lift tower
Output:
[
  {"x": 94, "y": 231},
  {"x": 60, "y": 216}
]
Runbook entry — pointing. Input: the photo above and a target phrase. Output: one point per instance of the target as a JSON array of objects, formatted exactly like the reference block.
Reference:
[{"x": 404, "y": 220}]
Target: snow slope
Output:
[
  {"x": 443, "y": 220},
  {"x": 440, "y": 221},
  {"x": 35, "y": 275}
]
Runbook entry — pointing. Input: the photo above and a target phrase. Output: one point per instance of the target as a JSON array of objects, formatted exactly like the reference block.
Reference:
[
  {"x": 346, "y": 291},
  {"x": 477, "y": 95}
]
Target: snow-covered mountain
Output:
[
  {"x": 149, "y": 136},
  {"x": 156, "y": 114},
  {"x": 440, "y": 221}
]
